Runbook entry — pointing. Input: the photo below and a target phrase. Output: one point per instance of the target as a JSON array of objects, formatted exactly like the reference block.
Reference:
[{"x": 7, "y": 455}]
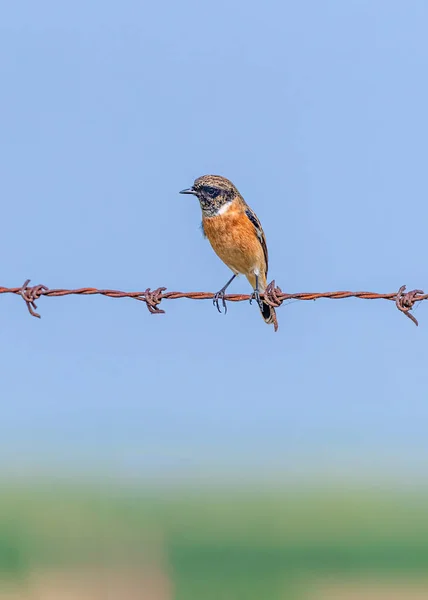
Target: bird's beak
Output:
[{"x": 188, "y": 191}]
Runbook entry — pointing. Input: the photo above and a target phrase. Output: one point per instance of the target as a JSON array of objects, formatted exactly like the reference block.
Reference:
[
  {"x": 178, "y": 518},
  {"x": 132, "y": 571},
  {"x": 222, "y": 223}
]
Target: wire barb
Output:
[
  {"x": 273, "y": 296},
  {"x": 152, "y": 299},
  {"x": 31, "y": 294},
  {"x": 405, "y": 302}
]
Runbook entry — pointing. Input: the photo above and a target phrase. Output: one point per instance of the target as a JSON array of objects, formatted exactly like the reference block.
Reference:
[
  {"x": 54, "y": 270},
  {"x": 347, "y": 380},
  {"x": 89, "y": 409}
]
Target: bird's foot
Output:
[
  {"x": 220, "y": 296},
  {"x": 256, "y": 296}
]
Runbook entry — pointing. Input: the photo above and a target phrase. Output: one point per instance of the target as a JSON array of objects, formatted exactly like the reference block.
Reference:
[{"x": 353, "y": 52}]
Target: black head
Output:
[{"x": 212, "y": 192}]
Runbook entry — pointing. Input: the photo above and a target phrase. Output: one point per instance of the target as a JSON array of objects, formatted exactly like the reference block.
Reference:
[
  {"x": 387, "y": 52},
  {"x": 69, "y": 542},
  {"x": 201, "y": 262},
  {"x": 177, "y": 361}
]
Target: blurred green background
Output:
[{"x": 123, "y": 542}]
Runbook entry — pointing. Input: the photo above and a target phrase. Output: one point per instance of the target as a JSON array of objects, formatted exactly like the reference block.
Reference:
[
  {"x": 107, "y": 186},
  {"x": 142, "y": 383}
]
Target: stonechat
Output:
[{"x": 236, "y": 235}]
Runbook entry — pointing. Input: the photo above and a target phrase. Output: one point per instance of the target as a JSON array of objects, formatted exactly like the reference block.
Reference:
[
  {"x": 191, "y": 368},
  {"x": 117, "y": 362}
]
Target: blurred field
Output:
[{"x": 117, "y": 543}]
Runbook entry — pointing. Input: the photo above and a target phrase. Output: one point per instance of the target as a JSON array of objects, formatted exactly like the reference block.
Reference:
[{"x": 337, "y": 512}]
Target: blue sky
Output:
[{"x": 317, "y": 112}]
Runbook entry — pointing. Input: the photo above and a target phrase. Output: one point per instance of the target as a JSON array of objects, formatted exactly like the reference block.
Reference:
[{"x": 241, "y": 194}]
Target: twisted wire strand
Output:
[{"x": 273, "y": 296}]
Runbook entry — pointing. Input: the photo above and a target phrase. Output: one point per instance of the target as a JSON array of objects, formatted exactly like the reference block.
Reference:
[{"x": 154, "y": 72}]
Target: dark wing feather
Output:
[{"x": 259, "y": 230}]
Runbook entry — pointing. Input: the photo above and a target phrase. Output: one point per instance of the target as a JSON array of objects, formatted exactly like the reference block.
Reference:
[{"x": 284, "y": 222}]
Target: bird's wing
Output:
[{"x": 259, "y": 231}]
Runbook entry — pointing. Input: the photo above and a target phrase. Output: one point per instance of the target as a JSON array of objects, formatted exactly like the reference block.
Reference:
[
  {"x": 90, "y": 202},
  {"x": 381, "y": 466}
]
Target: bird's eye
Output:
[{"x": 212, "y": 191}]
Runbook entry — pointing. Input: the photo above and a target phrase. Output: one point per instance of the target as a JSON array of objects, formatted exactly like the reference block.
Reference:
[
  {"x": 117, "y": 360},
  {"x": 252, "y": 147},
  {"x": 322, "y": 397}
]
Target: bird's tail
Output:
[{"x": 268, "y": 314}]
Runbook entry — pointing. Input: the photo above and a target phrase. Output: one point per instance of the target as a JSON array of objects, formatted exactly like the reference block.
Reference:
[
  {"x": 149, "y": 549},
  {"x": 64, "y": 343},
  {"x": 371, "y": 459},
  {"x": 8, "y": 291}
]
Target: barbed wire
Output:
[{"x": 273, "y": 296}]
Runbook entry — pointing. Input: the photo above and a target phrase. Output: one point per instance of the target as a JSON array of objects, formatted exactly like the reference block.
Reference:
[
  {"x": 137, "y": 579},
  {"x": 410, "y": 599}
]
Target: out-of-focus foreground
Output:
[{"x": 117, "y": 543}]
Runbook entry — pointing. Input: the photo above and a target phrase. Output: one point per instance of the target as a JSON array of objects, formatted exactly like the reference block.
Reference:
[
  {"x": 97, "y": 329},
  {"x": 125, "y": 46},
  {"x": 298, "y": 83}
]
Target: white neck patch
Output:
[{"x": 224, "y": 208}]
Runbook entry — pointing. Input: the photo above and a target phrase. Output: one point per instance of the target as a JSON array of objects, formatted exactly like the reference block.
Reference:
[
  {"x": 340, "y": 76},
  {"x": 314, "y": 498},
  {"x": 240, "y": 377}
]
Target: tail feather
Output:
[{"x": 268, "y": 314}]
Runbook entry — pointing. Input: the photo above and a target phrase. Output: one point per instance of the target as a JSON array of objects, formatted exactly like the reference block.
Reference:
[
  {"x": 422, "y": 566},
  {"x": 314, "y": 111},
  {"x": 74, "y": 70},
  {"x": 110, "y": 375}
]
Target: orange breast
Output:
[{"x": 234, "y": 239}]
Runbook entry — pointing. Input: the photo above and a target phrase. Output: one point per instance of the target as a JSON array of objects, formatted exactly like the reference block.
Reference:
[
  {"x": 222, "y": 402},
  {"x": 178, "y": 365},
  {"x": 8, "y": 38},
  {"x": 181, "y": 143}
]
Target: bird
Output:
[{"x": 236, "y": 236}]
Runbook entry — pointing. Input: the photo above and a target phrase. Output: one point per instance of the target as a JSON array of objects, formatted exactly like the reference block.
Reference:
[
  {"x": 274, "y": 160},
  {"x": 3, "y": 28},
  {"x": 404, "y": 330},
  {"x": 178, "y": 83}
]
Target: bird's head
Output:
[{"x": 213, "y": 192}]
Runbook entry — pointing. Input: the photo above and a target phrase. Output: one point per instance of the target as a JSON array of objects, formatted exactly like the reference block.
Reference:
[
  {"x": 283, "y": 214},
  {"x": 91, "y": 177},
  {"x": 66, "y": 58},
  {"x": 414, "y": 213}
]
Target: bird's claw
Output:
[
  {"x": 220, "y": 296},
  {"x": 256, "y": 296}
]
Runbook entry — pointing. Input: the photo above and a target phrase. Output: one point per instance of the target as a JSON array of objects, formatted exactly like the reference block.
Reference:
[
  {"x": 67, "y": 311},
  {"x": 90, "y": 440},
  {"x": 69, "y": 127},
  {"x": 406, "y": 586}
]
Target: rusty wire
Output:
[{"x": 273, "y": 296}]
